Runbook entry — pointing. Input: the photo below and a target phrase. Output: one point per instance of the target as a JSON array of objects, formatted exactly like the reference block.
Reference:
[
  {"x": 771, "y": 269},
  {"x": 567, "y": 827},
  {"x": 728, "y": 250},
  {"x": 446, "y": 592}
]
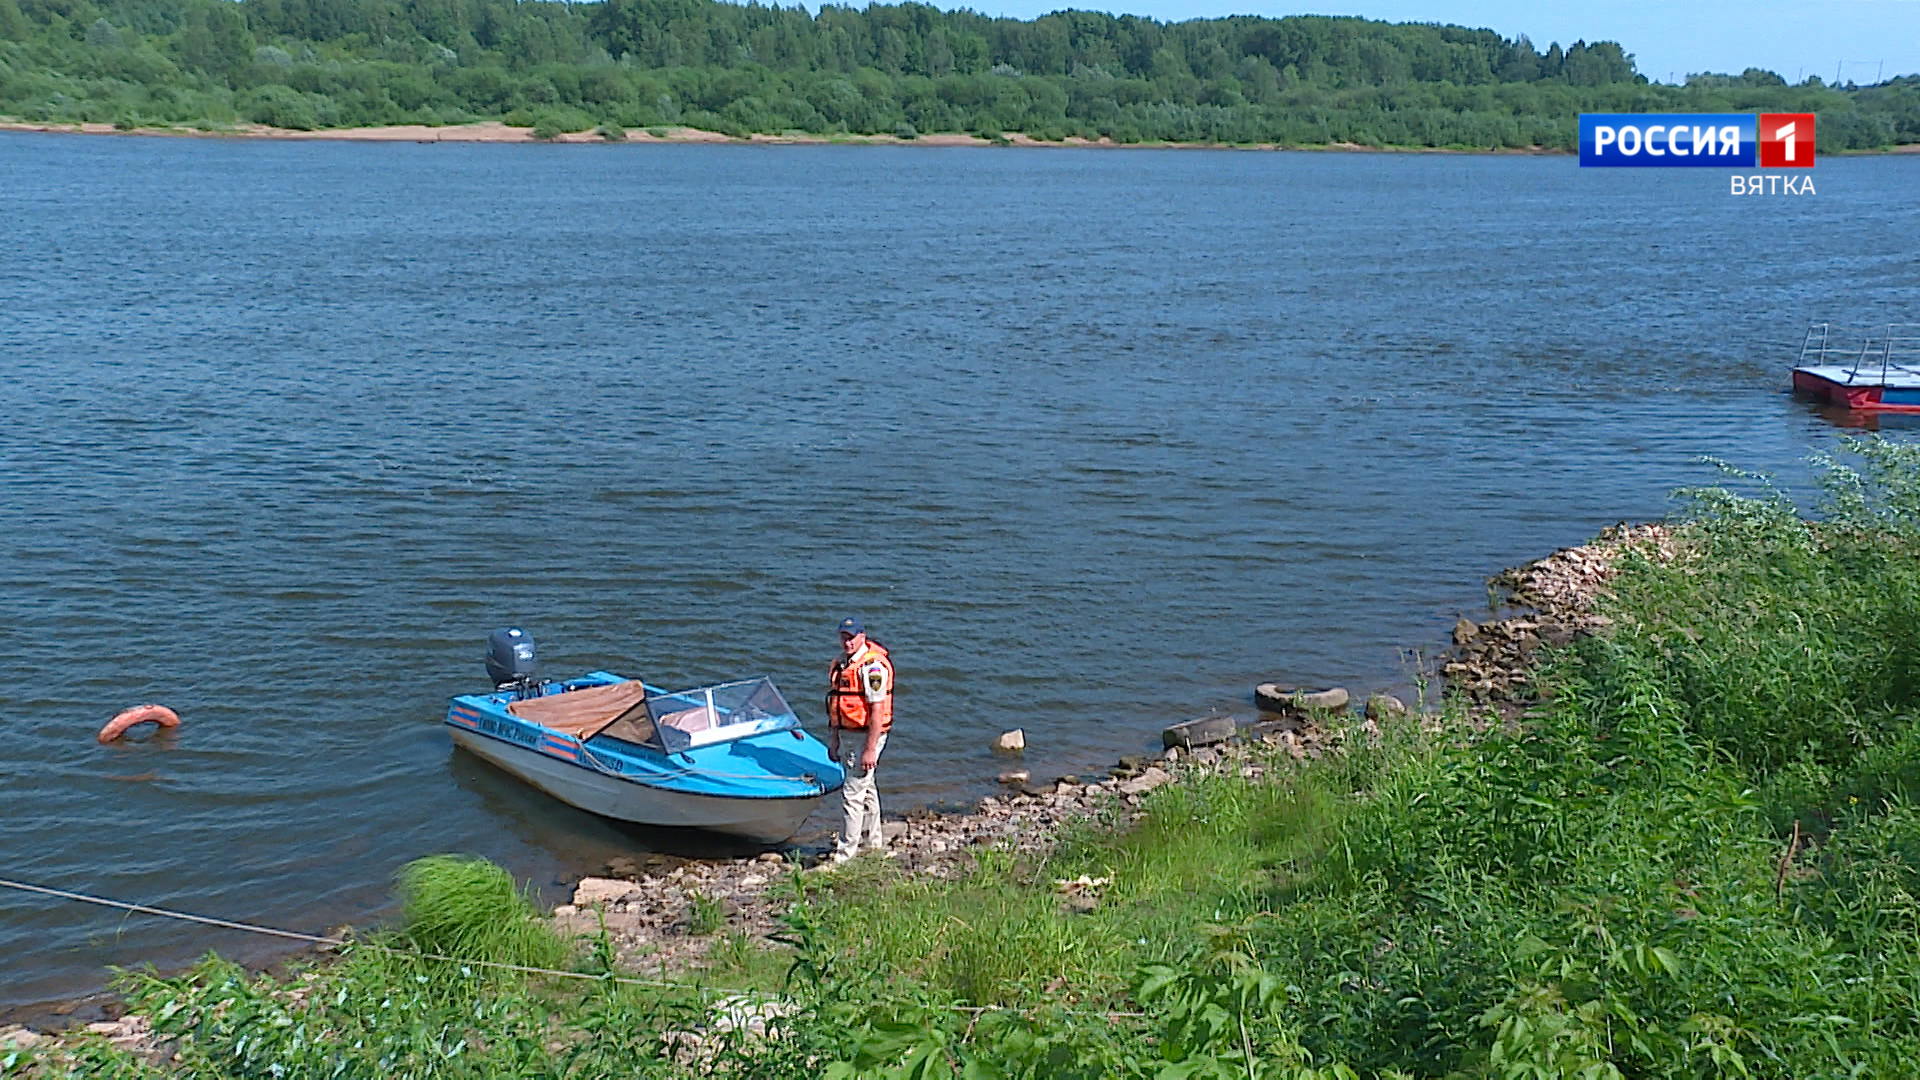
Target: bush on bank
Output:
[{"x": 1697, "y": 855}]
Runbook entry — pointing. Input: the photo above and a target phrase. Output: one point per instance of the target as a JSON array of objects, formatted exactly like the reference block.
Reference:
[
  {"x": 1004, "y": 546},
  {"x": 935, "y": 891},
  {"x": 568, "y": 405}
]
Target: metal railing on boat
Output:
[{"x": 1896, "y": 349}]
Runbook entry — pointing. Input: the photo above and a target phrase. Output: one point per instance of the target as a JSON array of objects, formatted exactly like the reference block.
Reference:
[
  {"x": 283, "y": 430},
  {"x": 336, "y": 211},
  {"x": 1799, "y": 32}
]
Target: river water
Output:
[{"x": 1093, "y": 440}]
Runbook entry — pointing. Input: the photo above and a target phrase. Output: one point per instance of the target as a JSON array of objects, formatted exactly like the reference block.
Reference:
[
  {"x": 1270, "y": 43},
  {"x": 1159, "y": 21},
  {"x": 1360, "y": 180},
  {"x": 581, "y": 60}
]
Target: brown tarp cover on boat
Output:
[{"x": 583, "y": 713}]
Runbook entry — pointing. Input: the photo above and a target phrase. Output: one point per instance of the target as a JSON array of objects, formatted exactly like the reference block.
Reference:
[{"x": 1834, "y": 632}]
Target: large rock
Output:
[
  {"x": 1464, "y": 631},
  {"x": 1204, "y": 731},
  {"x": 1010, "y": 742},
  {"x": 1146, "y": 781},
  {"x": 603, "y": 891}
]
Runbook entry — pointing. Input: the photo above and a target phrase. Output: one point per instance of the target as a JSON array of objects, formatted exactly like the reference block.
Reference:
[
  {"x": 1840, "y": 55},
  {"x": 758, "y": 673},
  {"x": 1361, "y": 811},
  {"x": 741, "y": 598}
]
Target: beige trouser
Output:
[{"x": 859, "y": 798}]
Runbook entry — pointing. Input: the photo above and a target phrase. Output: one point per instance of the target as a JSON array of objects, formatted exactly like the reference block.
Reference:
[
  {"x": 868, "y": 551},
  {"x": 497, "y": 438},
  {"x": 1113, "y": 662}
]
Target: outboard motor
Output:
[{"x": 511, "y": 663}]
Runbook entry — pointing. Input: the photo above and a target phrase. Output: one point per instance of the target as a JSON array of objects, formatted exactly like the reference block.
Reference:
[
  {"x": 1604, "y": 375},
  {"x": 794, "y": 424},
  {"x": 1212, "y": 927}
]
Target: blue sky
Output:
[{"x": 1666, "y": 37}]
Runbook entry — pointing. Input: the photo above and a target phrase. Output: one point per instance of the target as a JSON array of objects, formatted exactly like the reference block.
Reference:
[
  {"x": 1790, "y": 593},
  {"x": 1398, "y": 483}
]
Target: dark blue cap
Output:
[{"x": 852, "y": 626}]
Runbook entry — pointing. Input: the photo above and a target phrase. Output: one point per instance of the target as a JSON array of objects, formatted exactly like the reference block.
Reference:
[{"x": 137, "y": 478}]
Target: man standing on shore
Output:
[{"x": 860, "y": 700}]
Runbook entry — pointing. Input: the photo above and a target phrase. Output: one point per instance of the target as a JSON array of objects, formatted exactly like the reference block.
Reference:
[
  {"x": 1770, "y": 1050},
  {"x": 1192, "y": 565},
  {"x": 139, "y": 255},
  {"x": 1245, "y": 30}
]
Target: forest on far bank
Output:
[{"x": 901, "y": 69}]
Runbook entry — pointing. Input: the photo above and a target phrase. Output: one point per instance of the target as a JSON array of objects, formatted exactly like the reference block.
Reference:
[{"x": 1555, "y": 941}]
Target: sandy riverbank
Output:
[{"x": 493, "y": 131}]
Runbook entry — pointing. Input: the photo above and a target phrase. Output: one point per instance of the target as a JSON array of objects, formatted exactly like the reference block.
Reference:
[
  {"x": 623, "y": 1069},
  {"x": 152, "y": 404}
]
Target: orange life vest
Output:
[{"x": 860, "y": 688}]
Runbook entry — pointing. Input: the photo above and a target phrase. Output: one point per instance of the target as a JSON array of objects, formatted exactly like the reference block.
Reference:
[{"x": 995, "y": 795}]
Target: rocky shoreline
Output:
[
  {"x": 1490, "y": 661},
  {"x": 664, "y": 914},
  {"x": 651, "y": 912}
]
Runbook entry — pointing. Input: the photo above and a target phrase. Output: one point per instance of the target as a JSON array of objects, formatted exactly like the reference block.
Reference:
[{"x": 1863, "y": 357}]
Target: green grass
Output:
[{"x": 706, "y": 915}]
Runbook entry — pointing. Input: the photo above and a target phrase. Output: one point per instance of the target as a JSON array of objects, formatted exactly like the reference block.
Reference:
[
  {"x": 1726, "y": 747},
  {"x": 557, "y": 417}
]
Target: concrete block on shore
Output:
[
  {"x": 1010, "y": 742},
  {"x": 1204, "y": 731}
]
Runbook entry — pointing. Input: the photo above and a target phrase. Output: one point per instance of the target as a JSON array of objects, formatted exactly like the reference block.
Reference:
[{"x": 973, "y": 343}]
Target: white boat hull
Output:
[{"x": 765, "y": 821}]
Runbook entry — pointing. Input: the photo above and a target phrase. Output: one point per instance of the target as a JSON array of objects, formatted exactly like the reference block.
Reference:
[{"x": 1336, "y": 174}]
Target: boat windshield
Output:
[{"x": 714, "y": 714}]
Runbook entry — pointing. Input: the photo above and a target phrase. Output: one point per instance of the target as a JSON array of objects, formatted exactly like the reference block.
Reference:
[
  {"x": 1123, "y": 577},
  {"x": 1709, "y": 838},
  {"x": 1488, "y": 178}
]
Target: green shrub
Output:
[
  {"x": 284, "y": 107},
  {"x": 611, "y": 132}
]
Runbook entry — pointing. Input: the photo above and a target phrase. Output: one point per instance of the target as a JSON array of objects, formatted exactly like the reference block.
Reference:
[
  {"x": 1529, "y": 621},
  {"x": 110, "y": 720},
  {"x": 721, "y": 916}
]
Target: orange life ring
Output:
[{"x": 139, "y": 714}]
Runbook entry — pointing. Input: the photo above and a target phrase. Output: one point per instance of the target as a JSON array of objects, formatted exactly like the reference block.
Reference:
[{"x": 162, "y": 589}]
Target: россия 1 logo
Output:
[
  {"x": 1723, "y": 140},
  {"x": 1704, "y": 140}
]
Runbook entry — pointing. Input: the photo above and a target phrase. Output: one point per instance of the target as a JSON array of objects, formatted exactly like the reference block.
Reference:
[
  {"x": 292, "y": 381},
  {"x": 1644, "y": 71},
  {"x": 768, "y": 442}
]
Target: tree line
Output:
[{"x": 902, "y": 69}]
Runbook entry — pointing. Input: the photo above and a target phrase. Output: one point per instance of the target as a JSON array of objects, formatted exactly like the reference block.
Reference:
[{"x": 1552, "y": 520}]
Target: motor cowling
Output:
[{"x": 511, "y": 660}]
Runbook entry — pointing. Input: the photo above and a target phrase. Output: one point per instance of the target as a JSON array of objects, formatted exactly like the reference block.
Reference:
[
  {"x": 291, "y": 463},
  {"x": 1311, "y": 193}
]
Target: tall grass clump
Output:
[{"x": 471, "y": 909}]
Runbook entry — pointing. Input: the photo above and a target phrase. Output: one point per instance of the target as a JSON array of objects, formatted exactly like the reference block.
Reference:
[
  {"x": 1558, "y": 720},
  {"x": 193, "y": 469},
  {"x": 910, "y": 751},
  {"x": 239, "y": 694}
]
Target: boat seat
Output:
[
  {"x": 581, "y": 713},
  {"x": 689, "y": 720}
]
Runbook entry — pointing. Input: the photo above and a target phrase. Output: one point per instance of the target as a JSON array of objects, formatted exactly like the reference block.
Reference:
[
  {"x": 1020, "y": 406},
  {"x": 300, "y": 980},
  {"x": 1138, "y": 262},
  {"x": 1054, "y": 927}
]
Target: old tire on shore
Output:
[
  {"x": 1317, "y": 700},
  {"x": 1385, "y": 707},
  {"x": 1279, "y": 697},
  {"x": 1275, "y": 697}
]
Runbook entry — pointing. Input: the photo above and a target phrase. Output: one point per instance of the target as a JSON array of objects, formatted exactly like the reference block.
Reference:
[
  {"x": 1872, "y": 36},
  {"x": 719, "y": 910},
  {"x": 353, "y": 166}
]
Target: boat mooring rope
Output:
[
  {"x": 164, "y": 913},
  {"x": 318, "y": 939}
]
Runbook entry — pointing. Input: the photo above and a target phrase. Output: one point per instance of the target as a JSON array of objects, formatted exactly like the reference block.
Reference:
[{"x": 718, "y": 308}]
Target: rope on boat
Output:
[{"x": 318, "y": 939}]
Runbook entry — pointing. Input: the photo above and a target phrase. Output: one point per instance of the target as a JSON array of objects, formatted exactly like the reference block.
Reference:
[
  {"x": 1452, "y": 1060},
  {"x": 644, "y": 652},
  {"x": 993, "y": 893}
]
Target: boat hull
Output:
[
  {"x": 1827, "y": 385},
  {"x": 762, "y": 820}
]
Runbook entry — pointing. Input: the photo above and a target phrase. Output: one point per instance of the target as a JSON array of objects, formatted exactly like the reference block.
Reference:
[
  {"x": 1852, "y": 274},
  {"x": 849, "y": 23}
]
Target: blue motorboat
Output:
[{"x": 731, "y": 757}]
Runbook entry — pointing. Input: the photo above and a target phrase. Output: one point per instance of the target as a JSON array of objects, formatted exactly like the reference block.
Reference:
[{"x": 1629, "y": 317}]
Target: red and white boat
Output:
[{"x": 1875, "y": 371}]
